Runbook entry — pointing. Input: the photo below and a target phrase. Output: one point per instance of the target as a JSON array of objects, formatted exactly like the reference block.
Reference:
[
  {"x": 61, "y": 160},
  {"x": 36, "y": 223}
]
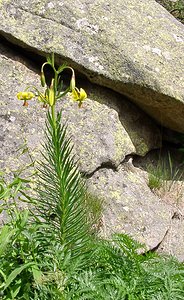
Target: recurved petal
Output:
[
  {"x": 83, "y": 94},
  {"x": 75, "y": 95}
]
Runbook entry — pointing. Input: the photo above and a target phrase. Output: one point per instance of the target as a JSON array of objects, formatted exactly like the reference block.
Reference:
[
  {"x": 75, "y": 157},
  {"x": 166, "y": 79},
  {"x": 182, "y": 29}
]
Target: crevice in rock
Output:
[
  {"x": 154, "y": 249},
  {"x": 127, "y": 161},
  {"x": 17, "y": 50},
  {"x": 37, "y": 57},
  {"x": 170, "y": 150},
  {"x": 132, "y": 91},
  {"x": 105, "y": 165},
  {"x": 22, "y": 51},
  {"x": 176, "y": 216}
]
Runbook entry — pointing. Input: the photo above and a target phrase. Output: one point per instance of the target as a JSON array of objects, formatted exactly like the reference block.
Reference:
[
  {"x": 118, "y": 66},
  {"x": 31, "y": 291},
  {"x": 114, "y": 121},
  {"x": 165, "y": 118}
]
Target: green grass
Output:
[
  {"x": 164, "y": 175},
  {"x": 176, "y": 8}
]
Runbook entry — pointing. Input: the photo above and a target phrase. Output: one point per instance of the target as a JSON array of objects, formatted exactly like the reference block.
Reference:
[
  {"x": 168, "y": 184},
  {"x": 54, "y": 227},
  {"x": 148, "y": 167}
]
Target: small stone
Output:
[
  {"x": 50, "y": 5},
  {"x": 12, "y": 119}
]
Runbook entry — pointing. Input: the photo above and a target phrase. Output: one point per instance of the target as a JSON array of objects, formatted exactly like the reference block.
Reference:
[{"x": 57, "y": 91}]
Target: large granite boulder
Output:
[{"x": 133, "y": 47}]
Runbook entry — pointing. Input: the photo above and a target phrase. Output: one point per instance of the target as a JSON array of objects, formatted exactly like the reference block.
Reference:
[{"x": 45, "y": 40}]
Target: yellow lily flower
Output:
[
  {"x": 25, "y": 96},
  {"x": 78, "y": 95}
]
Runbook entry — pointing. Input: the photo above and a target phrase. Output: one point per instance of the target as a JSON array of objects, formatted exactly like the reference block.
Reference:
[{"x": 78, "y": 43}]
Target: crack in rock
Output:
[
  {"x": 105, "y": 165},
  {"x": 177, "y": 216}
]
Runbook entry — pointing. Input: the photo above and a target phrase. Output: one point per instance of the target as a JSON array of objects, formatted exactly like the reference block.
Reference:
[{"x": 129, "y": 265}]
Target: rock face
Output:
[
  {"x": 130, "y": 206},
  {"x": 108, "y": 129},
  {"x": 135, "y": 48},
  {"x": 173, "y": 242}
]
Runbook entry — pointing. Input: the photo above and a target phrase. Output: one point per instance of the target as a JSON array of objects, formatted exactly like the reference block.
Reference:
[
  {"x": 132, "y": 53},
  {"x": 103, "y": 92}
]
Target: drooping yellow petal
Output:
[
  {"x": 25, "y": 95},
  {"x": 75, "y": 95},
  {"x": 44, "y": 99},
  {"x": 78, "y": 95},
  {"x": 29, "y": 95},
  {"x": 19, "y": 95},
  {"x": 83, "y": 94}
]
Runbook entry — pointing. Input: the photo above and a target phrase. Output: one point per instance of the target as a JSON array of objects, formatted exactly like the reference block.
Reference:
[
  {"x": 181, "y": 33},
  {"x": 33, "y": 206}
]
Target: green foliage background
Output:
[{"x": 176, "y": 8}]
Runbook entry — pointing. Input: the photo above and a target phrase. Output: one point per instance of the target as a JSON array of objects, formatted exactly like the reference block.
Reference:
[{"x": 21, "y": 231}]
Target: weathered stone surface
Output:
[
  {"x": 107, "y": 128},
  {"x": 171, "y": 192},
  {"x": 104, "y": 130},
  {"x": 130, "y": 206},
  {"x": 98, "y": 134},
  {"x": 135, "y": 48},
  {"x": 173, "y": 242}
]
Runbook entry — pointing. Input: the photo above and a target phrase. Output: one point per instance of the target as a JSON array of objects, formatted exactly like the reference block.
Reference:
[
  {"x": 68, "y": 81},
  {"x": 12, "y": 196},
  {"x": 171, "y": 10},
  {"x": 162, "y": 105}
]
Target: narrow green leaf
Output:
[
  {"x": 15, "y": 289},
  {"x": 37, "y": 274},
  {"x": 5, "y": 237},
  {"x": 15, "y": 273}
]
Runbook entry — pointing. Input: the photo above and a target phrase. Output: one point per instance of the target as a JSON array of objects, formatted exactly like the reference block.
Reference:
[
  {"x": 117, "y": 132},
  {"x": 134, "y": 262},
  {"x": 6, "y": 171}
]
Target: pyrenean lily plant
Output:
[{"x": 61, "y": 192}]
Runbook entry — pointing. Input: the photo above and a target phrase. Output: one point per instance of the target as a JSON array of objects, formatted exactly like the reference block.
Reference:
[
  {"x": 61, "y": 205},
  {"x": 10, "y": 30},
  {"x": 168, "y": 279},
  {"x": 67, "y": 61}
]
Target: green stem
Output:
[
  {"x": 53, "y": 115},
  {"x": 55, "y": 91}
]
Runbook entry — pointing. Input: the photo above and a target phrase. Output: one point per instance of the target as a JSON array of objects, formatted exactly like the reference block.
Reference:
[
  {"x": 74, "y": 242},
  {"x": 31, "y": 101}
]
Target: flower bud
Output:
[
  {"x": 72, "y": 82},
  {"x": 42, "y": 77},
  {"x": 52, "y": 94}
]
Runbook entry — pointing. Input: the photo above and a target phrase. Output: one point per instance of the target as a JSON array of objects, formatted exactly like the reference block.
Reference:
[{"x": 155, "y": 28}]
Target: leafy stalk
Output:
[{"x": 61, "y": 191}]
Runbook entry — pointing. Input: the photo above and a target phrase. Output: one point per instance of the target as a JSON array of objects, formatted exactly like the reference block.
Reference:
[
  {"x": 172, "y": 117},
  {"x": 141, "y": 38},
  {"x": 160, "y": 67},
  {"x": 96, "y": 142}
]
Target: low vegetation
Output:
[
  {"x": 166, "y": 179},
  {"x": 175, "y": 7},
  {"x": 164, "y": 173}
]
